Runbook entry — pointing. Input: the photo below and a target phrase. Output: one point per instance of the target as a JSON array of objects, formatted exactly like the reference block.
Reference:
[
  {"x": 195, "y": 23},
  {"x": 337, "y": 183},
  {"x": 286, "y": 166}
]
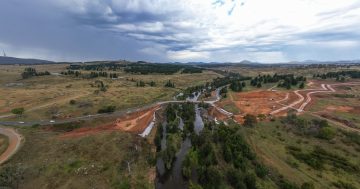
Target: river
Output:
[{"x": 174, "y": 179}]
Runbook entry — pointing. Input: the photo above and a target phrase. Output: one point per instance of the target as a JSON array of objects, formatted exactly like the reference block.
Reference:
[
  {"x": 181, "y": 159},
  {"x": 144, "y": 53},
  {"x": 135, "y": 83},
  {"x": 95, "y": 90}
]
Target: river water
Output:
[{"x": 174, "y": 179}]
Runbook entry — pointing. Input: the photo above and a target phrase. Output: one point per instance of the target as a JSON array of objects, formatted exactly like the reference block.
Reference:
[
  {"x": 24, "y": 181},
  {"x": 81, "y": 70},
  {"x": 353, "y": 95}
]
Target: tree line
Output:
[
  {"x": 340, "y": 75},
  {"x": 159, "y": 68},
  {"x": 284, "y": 81},
  {"x": 91, "y": 75}
]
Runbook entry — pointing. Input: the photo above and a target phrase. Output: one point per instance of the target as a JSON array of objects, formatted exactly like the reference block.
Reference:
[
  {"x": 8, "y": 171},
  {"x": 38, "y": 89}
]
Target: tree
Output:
[
  {"x": 72, "y": 102},
  {"x": 250, "y": 120},
  {"x": 169, "y": 84},
  {"x": 152, "y": 84},
  {"x": 107, "y": 109},
  {"x": 302, "y": 85},
  {"x": 18, "y": 111},
  {"x": 327, "y": 133}
]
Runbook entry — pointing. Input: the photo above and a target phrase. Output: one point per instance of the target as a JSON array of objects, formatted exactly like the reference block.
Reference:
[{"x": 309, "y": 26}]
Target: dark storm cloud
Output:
[{"x": 168, "y": 30}]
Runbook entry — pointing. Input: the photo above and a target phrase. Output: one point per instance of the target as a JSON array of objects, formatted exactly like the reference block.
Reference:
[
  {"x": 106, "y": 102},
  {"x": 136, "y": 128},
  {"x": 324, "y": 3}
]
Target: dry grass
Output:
[
  {"x": 47, "y": 96},
  {"x": 96, "y": 161},
  {"x": 4, "y": 143}
]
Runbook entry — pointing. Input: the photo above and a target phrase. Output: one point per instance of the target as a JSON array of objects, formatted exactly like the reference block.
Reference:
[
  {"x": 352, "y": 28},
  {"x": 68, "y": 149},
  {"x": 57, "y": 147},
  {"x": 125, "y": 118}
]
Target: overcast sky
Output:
[{"x": 181, "y": 30}]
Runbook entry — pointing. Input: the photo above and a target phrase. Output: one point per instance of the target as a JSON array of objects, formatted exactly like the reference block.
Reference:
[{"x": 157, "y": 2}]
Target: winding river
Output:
[{"x": 174, "y": 179}]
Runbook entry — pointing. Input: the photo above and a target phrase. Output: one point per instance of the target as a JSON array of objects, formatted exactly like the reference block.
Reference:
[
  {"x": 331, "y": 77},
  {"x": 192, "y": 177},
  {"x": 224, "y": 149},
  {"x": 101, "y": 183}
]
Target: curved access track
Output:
[
  {"x": 14, "y": 143},
  {"x": 304, "y": 100}
]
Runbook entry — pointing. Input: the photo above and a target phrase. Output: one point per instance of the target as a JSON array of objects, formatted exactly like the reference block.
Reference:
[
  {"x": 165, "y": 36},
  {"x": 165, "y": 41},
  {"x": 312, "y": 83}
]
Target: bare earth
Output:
[{"x": 14, "y": 143}]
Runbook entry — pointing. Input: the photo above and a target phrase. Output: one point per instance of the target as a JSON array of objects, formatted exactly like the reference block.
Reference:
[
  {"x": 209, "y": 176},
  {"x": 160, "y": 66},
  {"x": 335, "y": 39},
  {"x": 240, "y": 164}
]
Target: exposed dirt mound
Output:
[
  {"x": 134, "y": 122},
  {"x": 214, "y": 112}
]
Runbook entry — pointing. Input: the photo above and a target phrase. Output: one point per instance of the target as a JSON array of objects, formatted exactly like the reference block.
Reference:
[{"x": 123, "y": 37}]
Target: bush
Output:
[
  {"x": 18, "y": 111},
  {"x": 261, "y": 171},
  {"x": 72, "y": 102},
  {"x": 327, "y": 133},
  {"x": 107, "y": 109},
  {"x": 250, "y": 120}
]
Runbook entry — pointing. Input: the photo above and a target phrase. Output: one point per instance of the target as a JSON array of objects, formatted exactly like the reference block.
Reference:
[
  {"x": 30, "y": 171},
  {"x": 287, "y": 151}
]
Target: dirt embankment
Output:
[
  {"x": 134, "y": 122},
  {"x": 216, "y": 113}
]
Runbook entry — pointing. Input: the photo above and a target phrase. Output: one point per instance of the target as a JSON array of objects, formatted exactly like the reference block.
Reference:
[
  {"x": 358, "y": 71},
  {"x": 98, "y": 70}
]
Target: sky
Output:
[{"x": 181, "y": 30}]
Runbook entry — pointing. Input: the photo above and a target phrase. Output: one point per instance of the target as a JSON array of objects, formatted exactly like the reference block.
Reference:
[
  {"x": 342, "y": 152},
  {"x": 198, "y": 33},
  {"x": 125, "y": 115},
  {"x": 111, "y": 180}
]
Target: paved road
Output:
[{"x": 14, "y": 143}]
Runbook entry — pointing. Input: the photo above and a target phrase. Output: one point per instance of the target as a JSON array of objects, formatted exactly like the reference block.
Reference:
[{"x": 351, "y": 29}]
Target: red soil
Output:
[
  {"x": 258, "y": 102},
  {"x": 134, "y": 122},
  {"x": 214, "y": 112}
]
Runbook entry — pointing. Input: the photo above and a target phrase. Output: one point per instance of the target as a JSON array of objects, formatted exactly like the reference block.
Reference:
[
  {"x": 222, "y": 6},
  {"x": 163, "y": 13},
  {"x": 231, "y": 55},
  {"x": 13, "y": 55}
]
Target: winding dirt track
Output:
[
  {"x": 14, "y": 143},
  {"x": 325, "y": 88}
]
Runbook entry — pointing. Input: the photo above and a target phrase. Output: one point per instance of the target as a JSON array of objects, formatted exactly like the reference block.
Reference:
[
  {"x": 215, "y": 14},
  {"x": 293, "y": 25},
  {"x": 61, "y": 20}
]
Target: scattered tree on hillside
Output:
[
  {"x": 250, "y": 120},
  {"x": 18, "y": 111},
  {"x": 169, "y": 84}
]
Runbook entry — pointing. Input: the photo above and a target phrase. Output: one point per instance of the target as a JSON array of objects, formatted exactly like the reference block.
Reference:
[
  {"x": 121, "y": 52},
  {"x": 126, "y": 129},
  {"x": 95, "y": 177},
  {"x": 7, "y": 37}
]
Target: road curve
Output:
[
  {"x": 14, "y": 143},
  {"x": 325, "y": 88}
]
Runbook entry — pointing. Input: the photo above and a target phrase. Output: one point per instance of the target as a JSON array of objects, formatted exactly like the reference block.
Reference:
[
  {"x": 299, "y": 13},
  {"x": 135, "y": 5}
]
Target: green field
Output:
[{"x": 271, "y": 140}]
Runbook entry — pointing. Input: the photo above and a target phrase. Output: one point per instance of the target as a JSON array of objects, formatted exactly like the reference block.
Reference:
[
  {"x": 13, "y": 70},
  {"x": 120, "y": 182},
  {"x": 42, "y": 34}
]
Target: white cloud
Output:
[
  {"x": 235, "y": 29},
  {"x": 187, "y": 55}
]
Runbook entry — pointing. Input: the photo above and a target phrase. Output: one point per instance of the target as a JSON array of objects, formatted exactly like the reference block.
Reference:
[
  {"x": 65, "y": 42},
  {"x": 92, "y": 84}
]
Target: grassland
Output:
[
  {"x": 342, "y": 105},
  {"x": 48, "y": 97},
  {"x": 4, "y": 142},
  {"x": 270, "y": 141},
  {"x": 95, "y": 161}
]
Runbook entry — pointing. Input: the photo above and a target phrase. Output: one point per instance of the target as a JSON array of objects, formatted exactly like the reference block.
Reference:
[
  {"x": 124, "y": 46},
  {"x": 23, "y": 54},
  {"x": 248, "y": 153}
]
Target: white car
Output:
[
  {"x": 21, "y": 122},
  {"x": 52, "y": 121}
]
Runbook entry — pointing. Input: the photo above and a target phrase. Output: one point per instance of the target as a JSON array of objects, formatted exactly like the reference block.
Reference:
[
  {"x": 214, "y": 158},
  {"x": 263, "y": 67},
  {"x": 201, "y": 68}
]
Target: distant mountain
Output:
[{"x": 13, "y": 60}]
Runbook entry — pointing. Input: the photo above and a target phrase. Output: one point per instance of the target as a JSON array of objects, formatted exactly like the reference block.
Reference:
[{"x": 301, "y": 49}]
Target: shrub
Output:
[
  {"x": 107, "y": 109},
  {"x": 327, "y": 133},
  {"x": 72, "y": 102},
  {"x": 18, "y": 111},
  {"x": 250, "y": 120}
]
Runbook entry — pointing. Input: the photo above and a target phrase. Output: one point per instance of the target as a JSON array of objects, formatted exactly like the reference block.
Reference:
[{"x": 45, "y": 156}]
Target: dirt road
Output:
[
  {"x": 14, "y": 143},
  {"x": 306, "y": 99}
]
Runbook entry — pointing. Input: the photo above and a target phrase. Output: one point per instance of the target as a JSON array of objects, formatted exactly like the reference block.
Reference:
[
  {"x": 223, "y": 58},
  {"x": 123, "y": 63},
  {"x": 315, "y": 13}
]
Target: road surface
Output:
[
  {"x": 14, "y": 143},
  {"x": 325, "y": 88}
]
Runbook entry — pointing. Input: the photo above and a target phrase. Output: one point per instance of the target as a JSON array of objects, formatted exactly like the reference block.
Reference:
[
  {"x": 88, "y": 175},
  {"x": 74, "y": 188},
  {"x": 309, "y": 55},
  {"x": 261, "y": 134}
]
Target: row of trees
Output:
[
  {"x": 216, "y": 83},
  {"x": 148, "y": 68},
  {"x": 285, "y": 81},
  {"x": 340, "y": 75},
  {"x": 91, "y": 75},
  {"x": 192, "y": 70},
  {"x": 30, "y": 72},
  {"x": 97, "y": 67},
  {"x": 237, "y": 86},
  {"x": 291, "y": 80},
  {"x": 138, "y": 68}
]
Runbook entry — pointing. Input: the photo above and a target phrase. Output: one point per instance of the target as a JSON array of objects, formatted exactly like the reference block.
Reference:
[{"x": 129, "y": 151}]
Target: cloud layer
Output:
[{"x": 186, "y": 30}]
